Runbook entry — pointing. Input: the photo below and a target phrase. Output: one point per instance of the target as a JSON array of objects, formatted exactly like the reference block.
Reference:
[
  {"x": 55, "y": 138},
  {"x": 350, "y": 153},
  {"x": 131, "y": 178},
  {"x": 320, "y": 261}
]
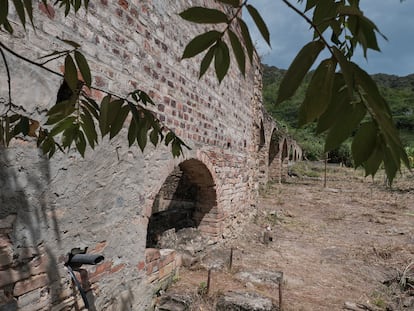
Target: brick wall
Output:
[{"x": 104, "y": 201}]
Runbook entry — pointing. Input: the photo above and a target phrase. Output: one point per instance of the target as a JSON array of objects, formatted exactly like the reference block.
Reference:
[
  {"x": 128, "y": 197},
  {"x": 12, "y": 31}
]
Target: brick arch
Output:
[
  {"x": 262, "y": 136},
  {"x": 285, "y": 153},
  {"x": 274, "y": 147},
  {"x": 187, "y": 197}
]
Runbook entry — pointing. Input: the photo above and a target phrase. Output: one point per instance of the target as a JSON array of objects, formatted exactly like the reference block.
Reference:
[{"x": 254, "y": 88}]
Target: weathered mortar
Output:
[{"x": 48, "y": 207}]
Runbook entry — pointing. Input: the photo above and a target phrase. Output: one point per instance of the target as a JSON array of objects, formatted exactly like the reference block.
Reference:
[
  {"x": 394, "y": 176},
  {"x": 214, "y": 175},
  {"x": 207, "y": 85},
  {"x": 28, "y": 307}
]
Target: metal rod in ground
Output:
[
  {"x": 280, "y": 293},
  {"x": 326, "y": 163},
  {"x": 231, "y": 259},
  {"x": 208, "y": 281}
]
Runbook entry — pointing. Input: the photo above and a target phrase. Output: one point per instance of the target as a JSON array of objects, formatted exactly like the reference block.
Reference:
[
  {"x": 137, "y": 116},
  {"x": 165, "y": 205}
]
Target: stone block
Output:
[{"x": 152, "y": 254}]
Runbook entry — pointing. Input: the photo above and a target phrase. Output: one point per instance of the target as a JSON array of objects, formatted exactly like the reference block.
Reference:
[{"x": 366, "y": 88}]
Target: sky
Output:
[{"x": 289, "y": 33}]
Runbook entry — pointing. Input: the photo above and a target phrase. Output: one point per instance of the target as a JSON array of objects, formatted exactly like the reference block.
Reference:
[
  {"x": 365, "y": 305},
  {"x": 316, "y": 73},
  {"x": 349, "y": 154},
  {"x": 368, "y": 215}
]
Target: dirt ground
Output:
[{"x": 346, "y": 245}]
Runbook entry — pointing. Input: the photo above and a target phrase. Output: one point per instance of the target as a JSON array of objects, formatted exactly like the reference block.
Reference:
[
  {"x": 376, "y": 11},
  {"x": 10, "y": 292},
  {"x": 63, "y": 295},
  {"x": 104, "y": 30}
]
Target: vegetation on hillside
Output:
[{"x": 398, "y": 91}]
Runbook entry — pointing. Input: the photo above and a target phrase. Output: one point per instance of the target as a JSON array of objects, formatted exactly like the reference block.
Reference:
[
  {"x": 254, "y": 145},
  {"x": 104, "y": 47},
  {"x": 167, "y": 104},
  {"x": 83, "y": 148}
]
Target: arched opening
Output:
[
  {"x": 273, "y": 147},
  {"x": 295, "y": 156},
  {"x": 291, "y": 153},
  {"x": 284, "y": 150},
  {"x": 262, "y": 140},
  {"x": 187, "y": 199}
]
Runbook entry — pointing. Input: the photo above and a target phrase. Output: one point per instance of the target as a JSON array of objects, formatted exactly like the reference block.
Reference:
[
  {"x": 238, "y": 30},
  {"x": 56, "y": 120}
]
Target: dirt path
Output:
[{"x": 334, "y": 245}]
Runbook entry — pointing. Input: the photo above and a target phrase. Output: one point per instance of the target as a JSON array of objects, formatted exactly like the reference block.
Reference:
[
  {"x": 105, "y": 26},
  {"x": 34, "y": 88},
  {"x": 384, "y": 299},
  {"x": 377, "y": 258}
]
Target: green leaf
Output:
[
  {"x": 83, "y": 68},
  {"x": 77, "y": 5},
  {"x": 8, "y": 27},
  {"x": 61, "y": 107},
  {"x": 154, "y": 137},
  {"x": 200, "y": 43},
  {"x": 142, "y": 137},
  {"x": 338, "y": 99},
  {"x": 92, "y": 107},
  {"x": 169, "y": 137},
  {"x": 104, "y": 115},
  {"x": 18, "y": 5},
  {"x": 347, "y": 70},
  {"x": 366, "y": 35},
  {"x": 374, "y": 161},
  {"x": 24, "y": 125},
  {"x": 221, "y": 60},
  {"x": 246, "y": 38},
  {"x": 298, "y": 69},
  {"x": 234, "y": 3},
  {"x": 348, "y": 10},
  {"x": 114, "y": 109},
  {"x": 63, "y": 125},
  {"x": 80, "y": 143},
  {"x": 310, "y": 4},
  {"x": 145, "y": 98},
  {"x": 4, "y": 11},
  {"x": 47, "y": 145},
  {"x": 203, "y": 15},
  {"x": 119, "y": 121},
  {"x": 176, "y": 148},
  {"x": 135, "y": 113},
  {"x": 381, "y": 113},
  {"x": 261, "y": 25},
  {"x": 319, "y": 92},
  {"x": 88, "y": 127},
  {"x": 364, "y": 143},
  {"x": 132, "y": 132},
  {"x": 60, "y": 111},
  {"x": 71, "y": 74},
  {"x": 324, "y": 12},
  {"x": 238, "y": 51},
  {"x": 348, "y": 118},
  {"x": 391, "y": 167},
  {"x": 29, "y": 10},
  {"x": 69, "y": 135},
  {"x": 205, "y": 63}
]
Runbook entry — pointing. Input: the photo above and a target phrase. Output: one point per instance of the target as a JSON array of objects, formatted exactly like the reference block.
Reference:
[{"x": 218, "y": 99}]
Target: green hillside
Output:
[{"x": 398, "y": 91}]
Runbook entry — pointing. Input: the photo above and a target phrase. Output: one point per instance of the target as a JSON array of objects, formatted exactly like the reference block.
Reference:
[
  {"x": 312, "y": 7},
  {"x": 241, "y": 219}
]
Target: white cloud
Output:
[{"x": 289, "y": 32}]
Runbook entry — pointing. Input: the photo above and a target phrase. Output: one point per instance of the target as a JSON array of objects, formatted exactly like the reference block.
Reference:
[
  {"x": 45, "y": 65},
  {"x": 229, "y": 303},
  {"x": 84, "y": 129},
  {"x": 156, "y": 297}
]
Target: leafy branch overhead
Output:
[
  {"x": 214, "y": 41},
  {"x": 341, "y": 97},
  {"x": 76, "y": 117}
]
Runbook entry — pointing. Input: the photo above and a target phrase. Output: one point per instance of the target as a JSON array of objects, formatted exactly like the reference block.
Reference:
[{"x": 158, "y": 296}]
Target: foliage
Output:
[
  {"x": 339, "y": 95},
  {"x": 398, "y": 91},
  {"x": 338, "y": 100},
  {"x": 410, "y": 153},
  {"x": 76, "y": 116}
]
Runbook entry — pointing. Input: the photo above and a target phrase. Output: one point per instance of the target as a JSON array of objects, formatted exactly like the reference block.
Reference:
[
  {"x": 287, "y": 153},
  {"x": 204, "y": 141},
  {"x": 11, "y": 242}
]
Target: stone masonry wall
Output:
[{"x": 104, "y": 201}]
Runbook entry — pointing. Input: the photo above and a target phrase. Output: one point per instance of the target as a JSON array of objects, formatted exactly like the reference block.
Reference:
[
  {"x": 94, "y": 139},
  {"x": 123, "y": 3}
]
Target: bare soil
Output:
[{"x": 342, "y": 246}]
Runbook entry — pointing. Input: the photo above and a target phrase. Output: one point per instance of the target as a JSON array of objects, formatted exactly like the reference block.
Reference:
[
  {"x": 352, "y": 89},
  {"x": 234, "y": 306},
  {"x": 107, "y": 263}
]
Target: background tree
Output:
[{"x": 341, "y": 97}]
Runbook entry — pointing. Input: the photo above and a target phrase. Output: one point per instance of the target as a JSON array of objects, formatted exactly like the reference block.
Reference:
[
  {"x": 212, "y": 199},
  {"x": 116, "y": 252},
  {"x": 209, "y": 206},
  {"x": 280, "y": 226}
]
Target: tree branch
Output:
[
  {"x": 8, "y": 77},
  {"x": 309, "y": 21}
]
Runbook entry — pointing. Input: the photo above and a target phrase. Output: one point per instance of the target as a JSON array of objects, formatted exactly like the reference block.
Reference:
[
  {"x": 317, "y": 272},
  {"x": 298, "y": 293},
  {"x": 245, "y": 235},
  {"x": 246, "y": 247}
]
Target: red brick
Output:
[
  {"x": 124, "y": 4},
  {"x": 99, "y": 247},
  {"x": 141, "y": 265},
  {"x": 29, "y": 285},
  {"x": 117, "y": 268}
]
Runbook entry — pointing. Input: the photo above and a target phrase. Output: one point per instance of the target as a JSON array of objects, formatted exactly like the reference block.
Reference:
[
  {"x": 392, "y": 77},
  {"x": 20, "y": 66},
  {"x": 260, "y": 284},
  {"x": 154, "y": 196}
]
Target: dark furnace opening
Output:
[{"x": 186, "y": 196}]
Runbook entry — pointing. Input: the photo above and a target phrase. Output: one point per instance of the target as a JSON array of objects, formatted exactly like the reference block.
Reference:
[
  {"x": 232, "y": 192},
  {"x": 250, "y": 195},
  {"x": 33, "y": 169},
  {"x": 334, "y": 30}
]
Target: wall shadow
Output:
[{"x": 24, "y": 215}]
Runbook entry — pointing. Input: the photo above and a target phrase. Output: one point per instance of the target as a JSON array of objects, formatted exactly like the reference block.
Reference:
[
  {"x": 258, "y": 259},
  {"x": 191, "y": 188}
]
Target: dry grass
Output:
[{"x": 333, "y": 244}]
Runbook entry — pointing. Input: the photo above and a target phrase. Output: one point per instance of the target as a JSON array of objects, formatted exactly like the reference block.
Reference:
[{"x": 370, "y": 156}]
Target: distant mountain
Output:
[{"x": 398, "y": 91}]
